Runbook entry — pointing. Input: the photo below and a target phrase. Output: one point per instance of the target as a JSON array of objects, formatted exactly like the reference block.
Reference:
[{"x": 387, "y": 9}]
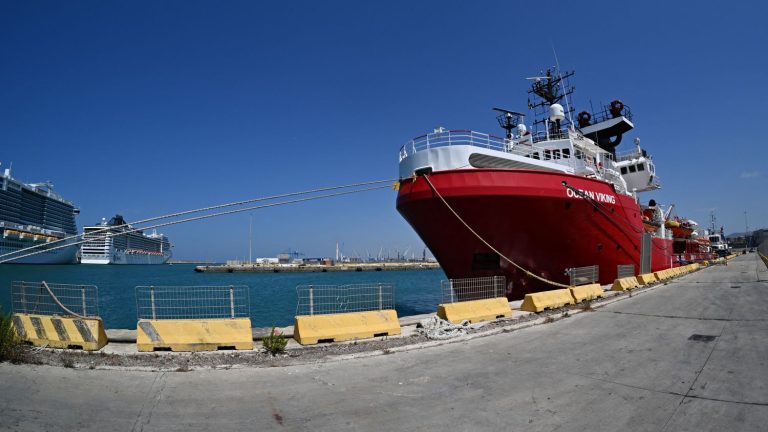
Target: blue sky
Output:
[{"x": 144, "y": 108}]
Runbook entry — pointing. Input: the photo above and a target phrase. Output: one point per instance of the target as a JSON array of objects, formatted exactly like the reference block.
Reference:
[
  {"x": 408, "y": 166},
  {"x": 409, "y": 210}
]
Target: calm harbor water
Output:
[{"x": 273, "y": 295}]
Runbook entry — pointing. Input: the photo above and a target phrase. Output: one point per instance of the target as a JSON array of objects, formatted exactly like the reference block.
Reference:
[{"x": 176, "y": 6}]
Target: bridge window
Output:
[
  {"x": 566, "y": 153},
  {"x": 632, "y": 168},
  {"x": 641, "y": 167},
  {"x": 624, "y": 170},
  {"x": 556, "y": 153},
  {"x": 536, "y": 155},
  {"x": 547, "y": 154}
]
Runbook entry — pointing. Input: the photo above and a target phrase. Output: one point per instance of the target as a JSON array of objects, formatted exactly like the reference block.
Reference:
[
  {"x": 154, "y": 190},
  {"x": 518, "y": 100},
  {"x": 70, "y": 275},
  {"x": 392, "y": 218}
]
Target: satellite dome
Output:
[{"x": 556, "y": 112}]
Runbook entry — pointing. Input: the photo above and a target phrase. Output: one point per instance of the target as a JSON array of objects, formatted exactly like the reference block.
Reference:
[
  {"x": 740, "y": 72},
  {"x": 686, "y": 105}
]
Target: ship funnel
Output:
[{"x": 556, "y": 112}]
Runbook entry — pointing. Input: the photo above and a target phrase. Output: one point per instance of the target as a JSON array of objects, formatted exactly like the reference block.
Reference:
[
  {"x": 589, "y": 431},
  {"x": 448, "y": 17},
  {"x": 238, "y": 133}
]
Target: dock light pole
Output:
[{"x": 250, "y": 240}]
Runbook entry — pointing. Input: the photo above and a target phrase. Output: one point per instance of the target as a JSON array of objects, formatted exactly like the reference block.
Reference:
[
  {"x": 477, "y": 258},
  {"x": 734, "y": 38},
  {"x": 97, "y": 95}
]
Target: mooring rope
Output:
[
  {"x": 186, "y": 212},
  {"x": 518, "y": 266},
  {"x": 196, "y": 218},
  {"x": 56, "y": 299}
]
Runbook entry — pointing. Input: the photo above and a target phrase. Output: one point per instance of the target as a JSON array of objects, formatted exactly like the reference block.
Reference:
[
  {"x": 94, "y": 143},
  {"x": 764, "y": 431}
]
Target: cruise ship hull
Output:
[
  {"x": 533, "y": 219},
  {"x": 65, "y": 255},
  {"x": 121, "y": 257}
]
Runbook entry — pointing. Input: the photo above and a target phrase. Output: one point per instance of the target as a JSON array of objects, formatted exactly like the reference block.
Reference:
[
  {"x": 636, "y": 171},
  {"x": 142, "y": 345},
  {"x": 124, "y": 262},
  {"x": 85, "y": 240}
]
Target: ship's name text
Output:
[{"x": 597, "y": 196}]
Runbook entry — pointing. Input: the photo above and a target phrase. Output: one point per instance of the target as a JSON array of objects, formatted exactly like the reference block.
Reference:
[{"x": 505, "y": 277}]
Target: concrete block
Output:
[
  {"x": 624, "y": 284},
  {"x": 475, "y": 310},
  {"x": 61, "y": 332},
  {"x": 647, "y": 278},
  {"x": 311, "y": 329},
  {"x": 540, "y": 301},
  {"x": 194, "y": 334},
  {"x": 586, "y": 292}
]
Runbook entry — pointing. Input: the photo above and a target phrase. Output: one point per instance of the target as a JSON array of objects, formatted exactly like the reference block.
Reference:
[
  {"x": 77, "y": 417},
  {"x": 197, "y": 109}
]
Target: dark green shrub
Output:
[
  {"x": 11, "y": 348},
  {"x": 275, "y": 342}
]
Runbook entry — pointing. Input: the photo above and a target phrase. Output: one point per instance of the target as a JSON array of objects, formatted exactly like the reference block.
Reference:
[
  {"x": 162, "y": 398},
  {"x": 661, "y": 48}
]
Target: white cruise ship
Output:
[
  {"x": 33, "y": 218},
  {"x": 116, "y": 242}
]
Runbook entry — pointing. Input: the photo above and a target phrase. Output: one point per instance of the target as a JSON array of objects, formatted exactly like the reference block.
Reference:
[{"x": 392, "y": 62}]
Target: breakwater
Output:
[{"x": 316, "y": 268}]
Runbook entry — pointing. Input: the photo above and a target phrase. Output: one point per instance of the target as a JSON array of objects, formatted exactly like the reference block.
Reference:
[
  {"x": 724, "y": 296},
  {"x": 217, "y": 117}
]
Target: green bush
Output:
[
  {"x": 10, "y": 343},
  {"x": 275, "y": 342}
]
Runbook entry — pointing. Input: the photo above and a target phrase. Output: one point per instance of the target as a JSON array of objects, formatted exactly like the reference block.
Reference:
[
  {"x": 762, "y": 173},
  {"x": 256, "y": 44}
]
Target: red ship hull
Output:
[{"x": 531, "y": 218}]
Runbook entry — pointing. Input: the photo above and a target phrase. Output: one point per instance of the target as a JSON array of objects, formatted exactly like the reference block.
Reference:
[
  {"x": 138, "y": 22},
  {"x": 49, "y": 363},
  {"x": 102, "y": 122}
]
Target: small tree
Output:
[{"x": 275, "y": 342}]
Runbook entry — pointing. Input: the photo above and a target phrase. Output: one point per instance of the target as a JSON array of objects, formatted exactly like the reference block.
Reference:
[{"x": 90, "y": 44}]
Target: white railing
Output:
[
  {"x": 458, "y": 290},
  {"x": 335, "y": 299},
  {"x": 192, "y": 302},
  {"x": 35, "y": 298},
  {"x": 453, "y": 137},
  {"x": 477, "y": 139}
]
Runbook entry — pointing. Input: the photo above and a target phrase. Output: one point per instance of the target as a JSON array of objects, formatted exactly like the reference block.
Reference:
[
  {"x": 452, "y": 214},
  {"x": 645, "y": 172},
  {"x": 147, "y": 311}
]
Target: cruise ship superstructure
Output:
[
  {"x": 34, "y": 216},
  {"x": 116, "y": 242}
]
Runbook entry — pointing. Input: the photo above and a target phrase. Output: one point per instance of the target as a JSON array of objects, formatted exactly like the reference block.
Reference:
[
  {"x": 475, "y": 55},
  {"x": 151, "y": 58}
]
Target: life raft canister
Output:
[
  {"x": 584, "y": 118},
  {"x": 616, "y": 107}
]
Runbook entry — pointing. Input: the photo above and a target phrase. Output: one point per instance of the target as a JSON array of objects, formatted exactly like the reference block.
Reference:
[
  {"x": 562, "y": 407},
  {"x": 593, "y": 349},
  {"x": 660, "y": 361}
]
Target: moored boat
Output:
[{"x": 534, "y": 205}]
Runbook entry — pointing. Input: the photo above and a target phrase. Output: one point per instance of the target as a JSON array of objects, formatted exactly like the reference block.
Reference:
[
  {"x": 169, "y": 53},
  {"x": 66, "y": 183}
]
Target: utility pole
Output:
[{"x": 746, "y": 232}]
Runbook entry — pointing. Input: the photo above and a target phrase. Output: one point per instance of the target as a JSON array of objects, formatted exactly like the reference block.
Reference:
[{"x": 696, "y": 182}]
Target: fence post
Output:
[
  {"x": 450, "y": 285},
  {"x": 311, "y": 302},
  {"x": 152, "y": 301},
  {"x": 380, "y": 295},
  {"x": 82, "y": 292},
  {"x": 232, "y": 301},
  {"x": 23, "y": 299}
]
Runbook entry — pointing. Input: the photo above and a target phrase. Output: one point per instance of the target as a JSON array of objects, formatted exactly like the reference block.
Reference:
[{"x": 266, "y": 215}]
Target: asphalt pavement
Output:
[{"x": 691, "y": 355}]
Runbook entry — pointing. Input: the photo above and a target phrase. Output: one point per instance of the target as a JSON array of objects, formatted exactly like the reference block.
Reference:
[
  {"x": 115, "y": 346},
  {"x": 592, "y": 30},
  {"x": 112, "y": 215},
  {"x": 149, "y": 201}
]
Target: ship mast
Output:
[{"x": 549, "y": 90}]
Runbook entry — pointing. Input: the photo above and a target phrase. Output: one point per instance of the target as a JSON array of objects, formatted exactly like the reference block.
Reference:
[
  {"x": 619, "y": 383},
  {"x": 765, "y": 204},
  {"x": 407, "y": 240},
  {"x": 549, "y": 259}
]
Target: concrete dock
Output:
[
  {"x": 689, "y": 355},
  {"x": 316, "y": 268}
]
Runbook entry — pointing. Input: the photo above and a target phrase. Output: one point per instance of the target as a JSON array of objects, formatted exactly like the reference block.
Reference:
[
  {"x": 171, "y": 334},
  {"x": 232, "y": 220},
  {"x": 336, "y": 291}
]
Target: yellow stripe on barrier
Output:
[
  {"x": 61, "y": 332},
  {"x": 475, "y": 310},
  {"x": 645, "y": 279},
  {"x": 624, "y": 284},
  {"x": 194, "y": 334},
  {"x": 539, "y": 301},
  {"x": 311, "y": 329},
  {"x": 586, "y": 292}
]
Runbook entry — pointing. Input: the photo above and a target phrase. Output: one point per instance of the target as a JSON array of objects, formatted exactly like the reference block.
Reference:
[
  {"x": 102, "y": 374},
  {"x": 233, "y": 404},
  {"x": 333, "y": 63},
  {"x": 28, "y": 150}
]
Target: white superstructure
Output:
[
  {"x": 34, "y": 221},
  {"x": 116, "y": 242}
]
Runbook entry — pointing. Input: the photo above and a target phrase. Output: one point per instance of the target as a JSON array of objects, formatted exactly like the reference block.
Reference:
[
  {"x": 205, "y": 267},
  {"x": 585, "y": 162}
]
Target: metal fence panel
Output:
[
  {"x": 625, "y": 270},
  {"x": 584, "y": 275},
  {"x": 192, "y": 302},
  {"x": 457, "y": 290},
  {"x": 34, "y": 298},
  {"x": 331, "y": 299}
]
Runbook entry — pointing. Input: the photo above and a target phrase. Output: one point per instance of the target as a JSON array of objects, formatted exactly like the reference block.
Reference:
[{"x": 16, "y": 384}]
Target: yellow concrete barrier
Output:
[
  {"x": 646, "y": 278},
  {"x": 194, "y": 334},
  {"x": 475, "y": 310},
  {"x": 662, "y": 275},
  {"x": 61, "y": 332},
  {"x": 311, "y": 329},
  {"x": 695, "y": 266},
  {"x": 624, "y": 284},
  {"x": 539, "y": 301},
  {"x": 586, "y": 292}
]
